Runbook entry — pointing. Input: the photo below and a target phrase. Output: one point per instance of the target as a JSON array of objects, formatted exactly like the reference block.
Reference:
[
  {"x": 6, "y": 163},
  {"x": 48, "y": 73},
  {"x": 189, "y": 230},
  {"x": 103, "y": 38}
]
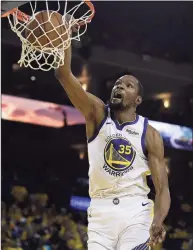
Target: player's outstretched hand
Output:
[
  {"x": 157, "y": 234},
  {"x": 69, "y": 18}
]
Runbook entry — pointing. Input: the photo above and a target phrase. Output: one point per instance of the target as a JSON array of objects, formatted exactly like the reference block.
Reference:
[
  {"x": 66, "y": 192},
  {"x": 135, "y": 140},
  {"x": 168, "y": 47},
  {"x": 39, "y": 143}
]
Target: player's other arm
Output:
[
  {"x": 157, "y": 166},
  {"x": 89, "y": 105}
]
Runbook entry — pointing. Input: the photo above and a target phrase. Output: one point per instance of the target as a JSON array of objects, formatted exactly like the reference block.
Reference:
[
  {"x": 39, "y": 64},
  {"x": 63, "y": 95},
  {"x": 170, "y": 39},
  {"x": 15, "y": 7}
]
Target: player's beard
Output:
[{"x": 116, "y": 106}]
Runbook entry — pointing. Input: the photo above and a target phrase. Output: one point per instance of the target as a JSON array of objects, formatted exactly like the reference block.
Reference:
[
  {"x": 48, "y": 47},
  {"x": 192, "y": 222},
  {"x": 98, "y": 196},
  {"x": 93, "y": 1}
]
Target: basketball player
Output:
[{"x": 122, "y": 149}]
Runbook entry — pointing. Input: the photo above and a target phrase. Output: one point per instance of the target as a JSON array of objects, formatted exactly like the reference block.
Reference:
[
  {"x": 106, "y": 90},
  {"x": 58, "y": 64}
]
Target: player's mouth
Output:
[{"x": 117, "y": 97}]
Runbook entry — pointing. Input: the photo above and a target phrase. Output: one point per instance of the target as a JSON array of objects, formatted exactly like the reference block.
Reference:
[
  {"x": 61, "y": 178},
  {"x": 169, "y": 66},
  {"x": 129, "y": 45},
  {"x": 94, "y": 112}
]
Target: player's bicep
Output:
[{"x": 156, "y": 161}]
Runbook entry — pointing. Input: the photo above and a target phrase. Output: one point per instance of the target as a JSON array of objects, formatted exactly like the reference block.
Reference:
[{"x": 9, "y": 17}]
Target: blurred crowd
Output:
[
  {"x": 29, "y": 223},
  {"x": 36, "y": 212}
]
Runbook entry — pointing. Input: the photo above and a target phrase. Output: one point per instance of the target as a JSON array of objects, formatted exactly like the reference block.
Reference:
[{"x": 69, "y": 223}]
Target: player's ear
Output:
[{"x": 138, "y": 100}]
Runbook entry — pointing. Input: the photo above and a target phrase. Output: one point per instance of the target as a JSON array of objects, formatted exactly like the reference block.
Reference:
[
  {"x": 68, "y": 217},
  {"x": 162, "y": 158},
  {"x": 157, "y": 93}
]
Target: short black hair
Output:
[{"x": 140, "y": 86}]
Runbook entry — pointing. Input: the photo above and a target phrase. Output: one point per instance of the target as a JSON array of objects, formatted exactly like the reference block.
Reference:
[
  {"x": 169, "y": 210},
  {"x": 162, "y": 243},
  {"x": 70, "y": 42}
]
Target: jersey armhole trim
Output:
[
  {"x": 143, "y": 136},
  {"x": 100, "y": 126}
]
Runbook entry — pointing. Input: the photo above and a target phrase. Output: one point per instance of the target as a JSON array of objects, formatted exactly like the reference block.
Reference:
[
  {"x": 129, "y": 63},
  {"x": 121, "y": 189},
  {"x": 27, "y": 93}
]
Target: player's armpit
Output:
[{"x": 155, "y": 148}]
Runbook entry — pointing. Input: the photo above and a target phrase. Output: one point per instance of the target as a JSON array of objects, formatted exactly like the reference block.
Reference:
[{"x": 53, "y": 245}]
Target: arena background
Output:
[{"x": 44, "y": 155}]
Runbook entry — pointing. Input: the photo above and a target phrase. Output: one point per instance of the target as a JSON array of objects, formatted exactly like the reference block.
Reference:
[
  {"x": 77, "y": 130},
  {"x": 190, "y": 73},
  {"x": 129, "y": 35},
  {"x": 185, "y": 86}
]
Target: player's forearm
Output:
[
  {"x": 162, "y": 205},
  {"x": 64, "y": 71}
]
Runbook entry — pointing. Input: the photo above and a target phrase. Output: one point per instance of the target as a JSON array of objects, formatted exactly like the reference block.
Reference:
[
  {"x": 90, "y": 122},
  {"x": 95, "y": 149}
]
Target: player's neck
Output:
[{"x": 125, "y": 115}]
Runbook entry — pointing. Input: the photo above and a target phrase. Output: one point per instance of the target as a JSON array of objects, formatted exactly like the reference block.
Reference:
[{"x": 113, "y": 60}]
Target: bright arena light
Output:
[
  {"x": 84, "y": 86},
  {"x": 166, "y": 103}
]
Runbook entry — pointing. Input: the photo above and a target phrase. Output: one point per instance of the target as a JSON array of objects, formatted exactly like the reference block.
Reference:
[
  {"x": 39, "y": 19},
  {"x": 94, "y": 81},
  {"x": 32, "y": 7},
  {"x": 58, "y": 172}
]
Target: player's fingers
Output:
[
  {"x": 157, "y": 235},
  {"x": 155, "y": 240},
  {"x": 149, "y": 244},
  {"x": 152, "y": 238},
  {"x": 156, "y": 231},
  {"x": 159, "y": 231},
  {"x": 160, "y": 240},
  {"x": 151, "y": 241},
  {"x": 164, "y": 234},
  {"x": 71, "y": 19}
]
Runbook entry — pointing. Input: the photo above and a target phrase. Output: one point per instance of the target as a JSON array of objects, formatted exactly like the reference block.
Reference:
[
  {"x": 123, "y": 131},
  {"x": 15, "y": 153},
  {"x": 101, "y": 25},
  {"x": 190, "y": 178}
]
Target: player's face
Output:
[{"x": 125, "y": 93}]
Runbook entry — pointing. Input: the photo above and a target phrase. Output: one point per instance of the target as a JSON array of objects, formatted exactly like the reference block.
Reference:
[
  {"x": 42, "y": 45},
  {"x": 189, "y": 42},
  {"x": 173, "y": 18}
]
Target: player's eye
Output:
[{"x": 129, "y": 85}]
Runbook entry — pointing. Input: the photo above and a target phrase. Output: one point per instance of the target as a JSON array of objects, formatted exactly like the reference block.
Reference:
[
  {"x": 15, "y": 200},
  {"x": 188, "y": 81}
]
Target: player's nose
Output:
[{"x": 120, "y": 86}]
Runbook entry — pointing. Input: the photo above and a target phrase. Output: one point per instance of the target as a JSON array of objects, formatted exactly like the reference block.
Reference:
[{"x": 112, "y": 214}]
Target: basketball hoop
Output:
[{"x": 41, "y": 57}]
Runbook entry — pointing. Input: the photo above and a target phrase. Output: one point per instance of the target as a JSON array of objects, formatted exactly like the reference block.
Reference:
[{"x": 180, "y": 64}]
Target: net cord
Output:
[{"x": 32, "y": 52}]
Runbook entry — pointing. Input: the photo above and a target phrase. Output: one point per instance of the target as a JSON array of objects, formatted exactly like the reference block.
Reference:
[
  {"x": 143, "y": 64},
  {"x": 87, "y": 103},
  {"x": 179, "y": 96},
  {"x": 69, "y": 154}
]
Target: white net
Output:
[{"x": 44, "y": 48}]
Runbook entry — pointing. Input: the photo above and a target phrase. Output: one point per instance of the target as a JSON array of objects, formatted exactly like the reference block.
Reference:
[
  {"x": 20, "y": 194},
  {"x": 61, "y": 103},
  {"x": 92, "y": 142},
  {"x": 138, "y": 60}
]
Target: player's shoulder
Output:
[
  {"x": 99, "y": 109},
  {"x": 152, "y": 131},
  {"x": 97, "y": 100},
  {"x": 152, "y": 134}
]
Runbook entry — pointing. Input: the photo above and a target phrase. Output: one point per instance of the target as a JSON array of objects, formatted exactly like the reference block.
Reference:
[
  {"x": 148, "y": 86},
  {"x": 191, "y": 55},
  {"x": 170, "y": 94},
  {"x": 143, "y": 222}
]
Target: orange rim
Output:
[
  {"x": 24, "y": 17},
  {"x": 91, "y": 7}
]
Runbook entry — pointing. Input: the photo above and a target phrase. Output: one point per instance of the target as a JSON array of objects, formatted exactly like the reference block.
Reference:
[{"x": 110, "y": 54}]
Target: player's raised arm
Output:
[
  {"x": 155, "y": 149},
  {"x": 89, "y": 105}
]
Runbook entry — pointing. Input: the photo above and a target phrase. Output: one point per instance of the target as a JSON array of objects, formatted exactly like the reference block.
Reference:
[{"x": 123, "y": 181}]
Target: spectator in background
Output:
[{"x": 37, "y": 226}]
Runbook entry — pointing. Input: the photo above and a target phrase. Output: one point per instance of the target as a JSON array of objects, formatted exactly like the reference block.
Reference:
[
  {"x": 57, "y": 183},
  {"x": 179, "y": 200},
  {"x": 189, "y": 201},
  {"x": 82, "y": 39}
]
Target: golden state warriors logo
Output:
[{"x": 119, "y": 156}]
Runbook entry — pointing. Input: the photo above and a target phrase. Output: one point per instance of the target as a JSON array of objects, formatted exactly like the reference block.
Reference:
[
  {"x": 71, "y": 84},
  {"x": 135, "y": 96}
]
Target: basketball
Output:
[
  {"x": 46, "y": 34},
  {"x": 46, "y": 30}
]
